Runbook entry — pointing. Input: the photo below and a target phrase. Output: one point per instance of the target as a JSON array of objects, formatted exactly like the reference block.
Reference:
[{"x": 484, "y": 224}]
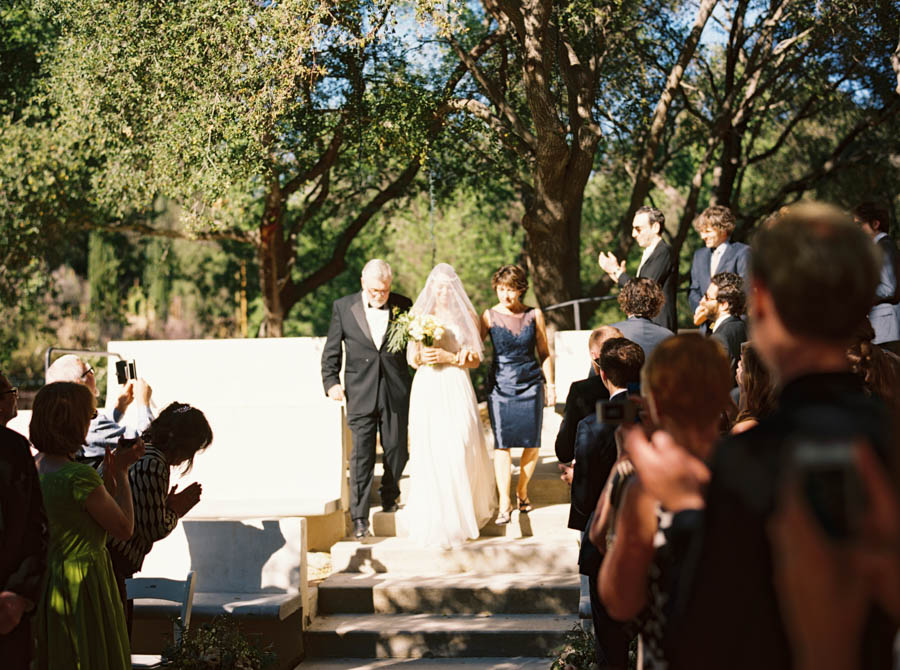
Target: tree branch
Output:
[{"x": 326, "y": 162}]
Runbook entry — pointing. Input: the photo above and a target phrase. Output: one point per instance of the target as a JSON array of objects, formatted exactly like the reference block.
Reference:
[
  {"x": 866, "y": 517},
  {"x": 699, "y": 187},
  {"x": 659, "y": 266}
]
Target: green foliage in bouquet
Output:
[
  {"x": 398, "y": 331},
  {"x": 576, "y": 652},
  {"x": 217, "y": 645}
]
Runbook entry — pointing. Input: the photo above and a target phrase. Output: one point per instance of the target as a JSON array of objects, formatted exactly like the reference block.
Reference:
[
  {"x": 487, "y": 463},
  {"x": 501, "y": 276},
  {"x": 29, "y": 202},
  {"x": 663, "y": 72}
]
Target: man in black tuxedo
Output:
[
  {"x": 885, "y": 313},
  {"x": 582, "y": 399},
  {"x": 595, "y": 455},
  {"x": 657, "y": 262},
  {"x": 722, "y": 308},
  {"x": 377, "y": 385},
  {"x": 719, "y": 254}
]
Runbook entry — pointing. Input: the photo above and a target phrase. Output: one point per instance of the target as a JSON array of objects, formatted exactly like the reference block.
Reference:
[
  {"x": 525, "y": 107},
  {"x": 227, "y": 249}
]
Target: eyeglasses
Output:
[
  {"x": 87, "y": 372},
  {"x": 14, "y": 390},
  {"x": 94, "y": 414}
]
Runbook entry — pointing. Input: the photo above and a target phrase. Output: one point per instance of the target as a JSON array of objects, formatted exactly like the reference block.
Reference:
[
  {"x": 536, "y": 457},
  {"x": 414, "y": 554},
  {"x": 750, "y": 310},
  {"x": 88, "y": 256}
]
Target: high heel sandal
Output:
[
  {"x": 504, "y": 517},
  {"x": 524, "y": 505}
]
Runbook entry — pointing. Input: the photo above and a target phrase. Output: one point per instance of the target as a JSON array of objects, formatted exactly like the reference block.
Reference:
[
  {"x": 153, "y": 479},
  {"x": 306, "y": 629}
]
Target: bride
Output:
[{"x": 452, "y": 493}]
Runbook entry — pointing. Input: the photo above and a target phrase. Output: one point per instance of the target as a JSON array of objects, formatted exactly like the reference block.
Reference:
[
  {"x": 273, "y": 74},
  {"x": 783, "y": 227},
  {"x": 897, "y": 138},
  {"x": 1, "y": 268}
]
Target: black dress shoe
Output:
[
  {"x": 361, "y": 529},
  {"x": 389, "y": 507}
]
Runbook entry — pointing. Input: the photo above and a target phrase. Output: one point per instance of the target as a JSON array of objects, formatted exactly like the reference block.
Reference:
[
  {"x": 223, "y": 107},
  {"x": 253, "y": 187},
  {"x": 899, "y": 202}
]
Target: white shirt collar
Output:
[
  {"x": 719, "y": 321},
  {"x": 618, "y": 393},
  {"x": 878, "y": 237},
  {"x": 648, "y": 252}
]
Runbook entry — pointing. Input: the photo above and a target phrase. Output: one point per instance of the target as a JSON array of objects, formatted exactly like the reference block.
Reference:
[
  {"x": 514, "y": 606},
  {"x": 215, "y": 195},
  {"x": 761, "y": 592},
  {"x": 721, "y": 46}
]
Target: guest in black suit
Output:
[
  {"x": 885, "y": 313},
  {"x": 657, "y": 262},
  {"x": 23, "y": 548},
  {"x": 720, "y": 254},
  {"x": 582, "y": 399},
  {"x": 595, "y": 455},
  {"x": 377, "y": 385},
  {"x": 641, "y": 300},
  {"x": 723, "y": 307},
  {"x": 814, "y": 278}
]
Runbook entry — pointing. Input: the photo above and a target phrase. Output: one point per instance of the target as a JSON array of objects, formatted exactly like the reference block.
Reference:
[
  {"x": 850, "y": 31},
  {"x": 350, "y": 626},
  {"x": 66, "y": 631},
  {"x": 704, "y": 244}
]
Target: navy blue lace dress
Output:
[{"x": 516, "y": 398}]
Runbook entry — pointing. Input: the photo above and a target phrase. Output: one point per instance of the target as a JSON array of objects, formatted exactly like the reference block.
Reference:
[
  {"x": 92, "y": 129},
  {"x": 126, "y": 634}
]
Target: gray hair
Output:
[
  {"x": 378, "y": 269},
  {"x": 68, "y": 368}
]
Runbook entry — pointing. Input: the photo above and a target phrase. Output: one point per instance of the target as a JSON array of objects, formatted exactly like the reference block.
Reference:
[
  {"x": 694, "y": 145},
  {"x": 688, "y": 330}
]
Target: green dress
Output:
[{"x": 79, "y": 621}]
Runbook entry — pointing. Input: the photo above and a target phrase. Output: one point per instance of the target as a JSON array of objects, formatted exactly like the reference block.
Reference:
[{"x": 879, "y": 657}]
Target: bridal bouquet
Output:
[{"x": 424, "y": 328}]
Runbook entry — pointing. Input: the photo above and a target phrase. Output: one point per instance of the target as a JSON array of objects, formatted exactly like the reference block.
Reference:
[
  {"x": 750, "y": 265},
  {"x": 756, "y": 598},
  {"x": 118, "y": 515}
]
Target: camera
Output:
[
  {"x": 125, "y": 372},
  {"x": 128, "y": 442},
  {"x": 616, "y": 413},
  {"x": 827, "y": 474}
]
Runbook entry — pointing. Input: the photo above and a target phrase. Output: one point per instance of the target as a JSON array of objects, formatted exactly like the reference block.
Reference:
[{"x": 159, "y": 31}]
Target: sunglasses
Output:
[{"x": 13, "y": 389}]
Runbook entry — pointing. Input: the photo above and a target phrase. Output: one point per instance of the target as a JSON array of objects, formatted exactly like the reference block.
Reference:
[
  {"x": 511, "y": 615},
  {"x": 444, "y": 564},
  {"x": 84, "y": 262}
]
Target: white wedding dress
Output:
[{"x": 452, "y": 489}]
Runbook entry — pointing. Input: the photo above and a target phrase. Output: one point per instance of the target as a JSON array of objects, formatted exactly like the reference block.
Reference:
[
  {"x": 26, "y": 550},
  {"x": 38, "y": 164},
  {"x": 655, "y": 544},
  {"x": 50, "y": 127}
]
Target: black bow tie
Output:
[{"x": 384, "y": 306}]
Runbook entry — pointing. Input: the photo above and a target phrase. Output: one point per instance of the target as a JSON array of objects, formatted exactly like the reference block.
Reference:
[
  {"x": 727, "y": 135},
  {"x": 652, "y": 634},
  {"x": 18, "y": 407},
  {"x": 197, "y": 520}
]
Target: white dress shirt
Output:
[
  {"x": 722, "y": 316},
  {"x": 647, "y": 253},
  {"x": 716, "y": 256},
  {"x": 377, "y": 318}
]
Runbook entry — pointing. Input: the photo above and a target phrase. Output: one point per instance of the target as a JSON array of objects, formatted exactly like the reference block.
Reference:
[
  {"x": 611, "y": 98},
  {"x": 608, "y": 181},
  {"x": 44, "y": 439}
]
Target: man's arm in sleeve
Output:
[
  {"x": 743, "y": 267},
  {"x": 27, "y": 525},
  {"x": 104, "y": 432},
  {"x": 565, "y": 438},
  {"x": 331, "y": 353},
  {"x": 695, "y": 292}
]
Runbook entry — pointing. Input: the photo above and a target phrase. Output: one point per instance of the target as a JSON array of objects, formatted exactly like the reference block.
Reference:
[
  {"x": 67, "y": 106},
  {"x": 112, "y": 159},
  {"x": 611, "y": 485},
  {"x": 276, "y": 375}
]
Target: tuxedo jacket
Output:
[
  {"x": 368, "y": 366},
  {"x": 661, "y": 268},
  {"x": 581, "y": 401},
  {"x": 736, "y": 259},
  {"x": 643, "y": 332},
  {"x": 885, "y": 313},
  {"x": 595, "y": 455},
  {"x": 732, "y": 333}
]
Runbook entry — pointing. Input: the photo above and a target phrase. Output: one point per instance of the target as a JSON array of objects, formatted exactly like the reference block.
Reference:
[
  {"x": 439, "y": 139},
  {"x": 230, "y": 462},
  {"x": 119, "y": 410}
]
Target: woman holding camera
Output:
[
  {"x": 79, "y": 621},
  {"x": 171, "y": 440},
  {"x": 634, "y": 579}
]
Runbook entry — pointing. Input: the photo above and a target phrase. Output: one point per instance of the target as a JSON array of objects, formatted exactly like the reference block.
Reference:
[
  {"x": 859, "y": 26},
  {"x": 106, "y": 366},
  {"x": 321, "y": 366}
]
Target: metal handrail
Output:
[{"x": 575, "y": 306}]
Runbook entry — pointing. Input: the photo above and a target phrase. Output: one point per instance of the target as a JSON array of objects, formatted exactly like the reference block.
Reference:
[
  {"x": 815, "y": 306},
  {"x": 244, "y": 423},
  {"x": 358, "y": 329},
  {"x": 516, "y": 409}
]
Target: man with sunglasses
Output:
[{"x": 106, "y": 429}]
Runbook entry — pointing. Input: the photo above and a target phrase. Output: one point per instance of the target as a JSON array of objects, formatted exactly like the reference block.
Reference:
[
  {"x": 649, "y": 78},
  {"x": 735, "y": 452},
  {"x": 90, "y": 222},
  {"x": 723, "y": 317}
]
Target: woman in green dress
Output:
[{"x": 79, "y": 622}]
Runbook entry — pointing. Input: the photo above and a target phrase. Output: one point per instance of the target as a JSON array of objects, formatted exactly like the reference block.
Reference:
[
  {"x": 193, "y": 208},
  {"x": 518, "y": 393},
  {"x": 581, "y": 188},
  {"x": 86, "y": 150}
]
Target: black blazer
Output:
[
  {"x": 595, "y": 455},
  {"x": 732, "y": 333},
  {"x": 366, "y": 365},
  {"x": 661, "y": 268},
  {"x": 581, "y": 401}
]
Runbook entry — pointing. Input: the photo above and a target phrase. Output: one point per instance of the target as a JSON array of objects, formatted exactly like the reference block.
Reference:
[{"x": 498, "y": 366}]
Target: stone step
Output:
[
  {"x": 429, "y": 635},
  {"x": 449, "y": 594},
  {"x": 484, "y": 555},
  {"x": 542, "y": 521},
  {"x": 516, "y": 663},
  {"x": 544, "y": 488}
]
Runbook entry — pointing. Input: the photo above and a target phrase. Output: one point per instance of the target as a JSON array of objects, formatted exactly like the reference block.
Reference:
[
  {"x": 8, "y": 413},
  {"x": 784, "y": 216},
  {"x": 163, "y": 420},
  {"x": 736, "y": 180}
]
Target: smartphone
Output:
[
  {"x": 826, "y": 471},
  {"x": 125, "y": 372},
  {"x": 128, "y": 442}
]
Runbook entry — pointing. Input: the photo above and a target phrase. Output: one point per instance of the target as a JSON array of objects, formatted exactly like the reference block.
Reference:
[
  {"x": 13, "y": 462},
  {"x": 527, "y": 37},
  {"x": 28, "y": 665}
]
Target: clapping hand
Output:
[
  {"x": 116, "y": 463},
  {"x": 183, "y": 502},
  {"x": 611, "y": 265}
]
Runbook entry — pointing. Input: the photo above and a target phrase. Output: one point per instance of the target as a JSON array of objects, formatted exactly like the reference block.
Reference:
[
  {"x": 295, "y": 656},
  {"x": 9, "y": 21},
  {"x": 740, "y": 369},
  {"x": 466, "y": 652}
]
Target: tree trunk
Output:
[{"x": 274, "y": 267}]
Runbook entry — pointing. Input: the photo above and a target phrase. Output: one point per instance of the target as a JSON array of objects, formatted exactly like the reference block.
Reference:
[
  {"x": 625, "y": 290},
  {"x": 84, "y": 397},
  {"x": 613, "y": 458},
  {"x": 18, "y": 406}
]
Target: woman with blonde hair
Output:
[{"x": 80, "y": 622}]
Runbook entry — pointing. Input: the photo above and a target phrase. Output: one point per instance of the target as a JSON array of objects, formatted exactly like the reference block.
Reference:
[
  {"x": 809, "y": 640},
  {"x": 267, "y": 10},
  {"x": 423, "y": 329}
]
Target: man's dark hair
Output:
[
  {"x": 820, "y": 268},
  {"x": 641, "y": 297},
  {"x": 871, "y": 212},
  {"x": 654, "y": 216},
  {"x": 621, "y": 361},
  {"x": 731, "y": 292}
]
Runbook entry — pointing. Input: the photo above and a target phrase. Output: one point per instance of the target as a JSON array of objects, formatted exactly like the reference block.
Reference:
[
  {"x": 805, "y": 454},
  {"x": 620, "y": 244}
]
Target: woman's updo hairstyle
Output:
[
  {"x": 61, "y": 416},
  {"x": 512, "y": 276},
  {"x": 180, "y": 431}
]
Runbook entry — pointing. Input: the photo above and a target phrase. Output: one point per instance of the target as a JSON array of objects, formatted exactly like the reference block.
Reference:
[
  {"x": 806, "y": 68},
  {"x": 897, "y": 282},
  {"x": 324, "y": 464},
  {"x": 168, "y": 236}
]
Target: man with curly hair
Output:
[
  {"x": 641, "y": 299},
  {"x": 715, "y": 225},
  {"x": 721, "y": 308}
]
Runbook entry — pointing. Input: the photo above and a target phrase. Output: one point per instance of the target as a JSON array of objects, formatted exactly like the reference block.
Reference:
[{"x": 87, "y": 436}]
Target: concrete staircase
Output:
[{"x": 500, "y": 602}]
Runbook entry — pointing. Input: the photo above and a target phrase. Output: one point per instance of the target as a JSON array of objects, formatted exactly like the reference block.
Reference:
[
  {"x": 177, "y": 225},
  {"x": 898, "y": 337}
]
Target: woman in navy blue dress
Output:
[{"x": 517, "y": 398}]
